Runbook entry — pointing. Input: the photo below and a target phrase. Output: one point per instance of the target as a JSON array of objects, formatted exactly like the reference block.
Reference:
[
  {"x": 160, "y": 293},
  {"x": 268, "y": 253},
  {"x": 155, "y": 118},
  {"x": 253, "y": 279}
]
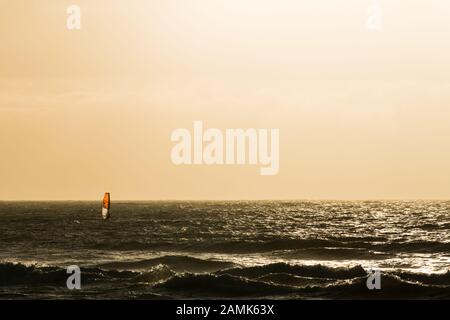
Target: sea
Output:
[{"x": 226, "y": 250}]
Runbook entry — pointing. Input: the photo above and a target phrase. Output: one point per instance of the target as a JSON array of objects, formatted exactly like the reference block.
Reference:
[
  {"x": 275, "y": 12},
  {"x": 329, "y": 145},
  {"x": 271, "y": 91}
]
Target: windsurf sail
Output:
[{"x": 106, "y": 205}]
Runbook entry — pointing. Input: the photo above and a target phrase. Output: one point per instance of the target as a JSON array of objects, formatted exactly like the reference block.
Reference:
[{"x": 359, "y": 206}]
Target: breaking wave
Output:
[
  {"x": 177, "y": 263},
  {"x": 212, "y": 285},
  {"x": 316, "y": 271},
  {"x": 157, "y": 277}
]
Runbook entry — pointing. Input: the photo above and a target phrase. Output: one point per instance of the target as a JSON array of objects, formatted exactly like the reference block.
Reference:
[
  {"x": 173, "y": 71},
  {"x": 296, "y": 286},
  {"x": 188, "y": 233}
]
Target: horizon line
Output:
[{"x": 222, "y": 200}]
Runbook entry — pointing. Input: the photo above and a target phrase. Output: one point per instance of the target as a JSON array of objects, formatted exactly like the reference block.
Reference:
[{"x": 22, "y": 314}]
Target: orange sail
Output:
[
  {"x": 106, "y": 200},
  {"x": 106, "y": 206}
]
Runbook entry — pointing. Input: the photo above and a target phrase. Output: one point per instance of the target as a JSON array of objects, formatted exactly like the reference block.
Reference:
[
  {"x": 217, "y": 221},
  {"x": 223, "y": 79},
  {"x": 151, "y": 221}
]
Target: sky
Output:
[{"x": 362, "y": 114}]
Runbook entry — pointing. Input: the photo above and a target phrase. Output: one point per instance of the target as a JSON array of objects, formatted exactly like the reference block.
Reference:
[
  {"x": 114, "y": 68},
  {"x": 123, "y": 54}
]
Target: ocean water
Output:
[{"x": 243, "y": 250}]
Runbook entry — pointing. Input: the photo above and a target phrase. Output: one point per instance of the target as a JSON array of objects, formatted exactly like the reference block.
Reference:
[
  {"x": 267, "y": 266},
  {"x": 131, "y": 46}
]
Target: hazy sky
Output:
[{"x": 362, "y": 114}]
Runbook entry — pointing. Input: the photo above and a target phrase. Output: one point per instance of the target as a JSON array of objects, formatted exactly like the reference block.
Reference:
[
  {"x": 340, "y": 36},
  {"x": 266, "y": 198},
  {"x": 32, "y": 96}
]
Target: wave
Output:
[
  {"x": 225, "y": 286},
  {"x": 131, "y": 245},
  {"x": 293, "y": 280},
  {"x": 295, "y": 287},
  {"x": 237, "y": 246},
  {"x": 417, "y": 246},
  {"x": 278, "y": 280},
  {"x": 156, "y": 274},
  {"x": 392, "y": 287},
  {"x": 316, "y": 271},
  {"x": 318, "y": 281},
  {"x": 174, "y": 262},
  {"x": 424, "y": 278},
  {"x": 264, "y": 246},
  {"x": 432, "y": 226},
  {"x": 12, "y": 274},
  {"x": 342, "y": 247},
  {"x": 333, "y": 254}
]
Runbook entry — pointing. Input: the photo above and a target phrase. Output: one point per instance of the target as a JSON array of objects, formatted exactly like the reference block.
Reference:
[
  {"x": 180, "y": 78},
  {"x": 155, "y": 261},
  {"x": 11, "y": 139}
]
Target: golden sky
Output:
[{"x": 362, "y": 114}]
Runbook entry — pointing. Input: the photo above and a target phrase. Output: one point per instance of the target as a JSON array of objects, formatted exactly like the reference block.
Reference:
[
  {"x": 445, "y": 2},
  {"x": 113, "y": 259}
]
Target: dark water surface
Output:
[{"x": 254, "y": 249}]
